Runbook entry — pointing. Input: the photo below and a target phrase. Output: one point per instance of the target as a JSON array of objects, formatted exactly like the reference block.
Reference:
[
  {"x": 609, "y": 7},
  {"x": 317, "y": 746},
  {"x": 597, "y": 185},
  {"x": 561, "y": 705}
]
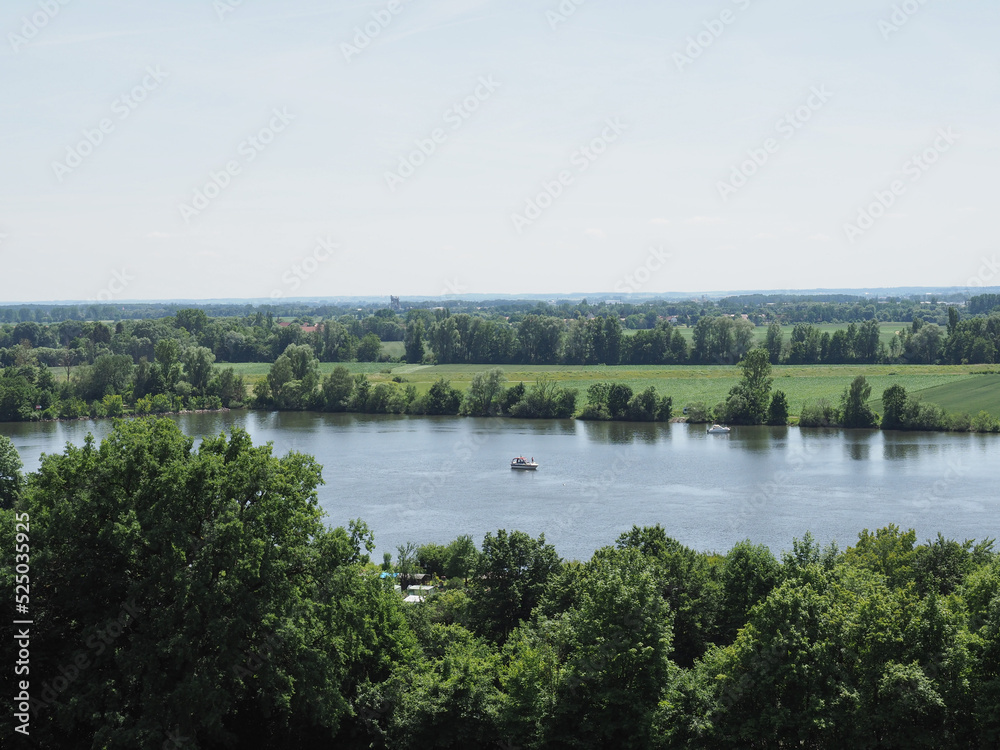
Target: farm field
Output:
[
  {"x": 956, "y": 388},
  {"x": 709, "y": 384},
  {"x": 969, "y": 395}
]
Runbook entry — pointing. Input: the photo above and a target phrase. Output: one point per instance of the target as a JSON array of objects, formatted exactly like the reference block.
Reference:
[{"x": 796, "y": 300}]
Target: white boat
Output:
[
  {"x": 718, "y": 429},
  {"x": 522, "y": 463}
]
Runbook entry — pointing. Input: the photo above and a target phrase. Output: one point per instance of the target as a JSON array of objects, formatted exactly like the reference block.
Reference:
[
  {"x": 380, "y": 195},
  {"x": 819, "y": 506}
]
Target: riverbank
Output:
[
  {"x": 685, "y": 383},
  {"x": 122, "y": 416}
]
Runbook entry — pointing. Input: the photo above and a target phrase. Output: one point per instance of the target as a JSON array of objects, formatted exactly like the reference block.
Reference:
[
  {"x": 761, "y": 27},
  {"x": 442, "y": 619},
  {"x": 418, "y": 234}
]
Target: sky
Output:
[{"x": 254, "y": 148}]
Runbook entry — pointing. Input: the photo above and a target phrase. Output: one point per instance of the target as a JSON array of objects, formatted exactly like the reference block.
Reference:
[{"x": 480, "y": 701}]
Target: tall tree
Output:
[
  {"x": 773, "y": 342},
  {"x": 414, "y": 341},
  {"x": 854, "y": 409},
  {"x": 10, "y": 473},
  {"x": 508, "y": 581},
  {"x": 749, "y": 398}
]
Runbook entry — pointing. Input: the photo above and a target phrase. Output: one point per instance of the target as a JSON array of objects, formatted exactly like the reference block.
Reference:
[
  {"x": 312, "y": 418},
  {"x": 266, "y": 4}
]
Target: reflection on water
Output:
[
  {"x": 859, "y": 443},
  {"x": 626, "y": 433},
  {"x": 430, "y": 479}
]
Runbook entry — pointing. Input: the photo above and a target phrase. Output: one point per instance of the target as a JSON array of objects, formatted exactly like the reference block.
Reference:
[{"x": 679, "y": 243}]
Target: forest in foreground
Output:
[{"x": 190, "y": 596}]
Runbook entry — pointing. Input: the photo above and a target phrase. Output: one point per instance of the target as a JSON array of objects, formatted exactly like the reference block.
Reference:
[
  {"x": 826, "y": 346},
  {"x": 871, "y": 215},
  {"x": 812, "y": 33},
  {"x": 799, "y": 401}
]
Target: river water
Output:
[{"x": 430, "y": 479}]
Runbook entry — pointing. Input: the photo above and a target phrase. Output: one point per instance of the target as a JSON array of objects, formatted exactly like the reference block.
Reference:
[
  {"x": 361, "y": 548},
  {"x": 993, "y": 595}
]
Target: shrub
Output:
[
  {"x": 698, "y": 413},
  {"x": 985, "y": 422},
  {"x": 819, "y": 414}
]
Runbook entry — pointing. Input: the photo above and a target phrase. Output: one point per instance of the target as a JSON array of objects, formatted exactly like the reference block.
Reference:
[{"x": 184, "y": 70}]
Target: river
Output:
[{"x": 430, "y": 479}]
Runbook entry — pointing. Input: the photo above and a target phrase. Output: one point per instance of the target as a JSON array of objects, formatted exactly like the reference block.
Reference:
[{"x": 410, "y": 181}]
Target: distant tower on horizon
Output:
[{"x": 394, "y": 303}]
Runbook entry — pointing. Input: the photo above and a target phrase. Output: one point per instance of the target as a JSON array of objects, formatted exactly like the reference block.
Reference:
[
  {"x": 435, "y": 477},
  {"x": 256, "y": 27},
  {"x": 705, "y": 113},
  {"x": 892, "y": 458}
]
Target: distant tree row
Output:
[{"x": 486, "y": 337}]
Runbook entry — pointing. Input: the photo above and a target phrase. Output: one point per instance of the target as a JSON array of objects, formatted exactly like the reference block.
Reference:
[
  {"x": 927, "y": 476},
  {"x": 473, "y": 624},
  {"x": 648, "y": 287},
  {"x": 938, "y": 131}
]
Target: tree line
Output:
[
  {"x": 487, "y": 337},
  {"x": 193, "y": 594}
]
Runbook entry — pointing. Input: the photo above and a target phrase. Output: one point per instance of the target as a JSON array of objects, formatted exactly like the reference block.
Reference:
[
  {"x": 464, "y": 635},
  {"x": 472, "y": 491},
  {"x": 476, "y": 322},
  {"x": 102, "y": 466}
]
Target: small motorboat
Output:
[
  {"x": 522, "y": 463},
  {"x": 718, "y": 429}
]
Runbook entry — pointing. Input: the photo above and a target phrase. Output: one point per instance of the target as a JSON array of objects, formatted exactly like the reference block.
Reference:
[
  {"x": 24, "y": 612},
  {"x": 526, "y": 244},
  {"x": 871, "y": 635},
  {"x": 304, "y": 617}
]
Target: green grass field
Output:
[
  {"x": 709, "y": 384},
  {"x": 954, "y": 387},
  {"x": 969, "y": 395}
]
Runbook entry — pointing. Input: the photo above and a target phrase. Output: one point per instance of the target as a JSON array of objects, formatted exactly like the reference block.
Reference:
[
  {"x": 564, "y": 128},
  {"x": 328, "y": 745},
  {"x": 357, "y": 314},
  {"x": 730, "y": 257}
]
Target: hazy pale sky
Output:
[{"x": 200, "y": 149}]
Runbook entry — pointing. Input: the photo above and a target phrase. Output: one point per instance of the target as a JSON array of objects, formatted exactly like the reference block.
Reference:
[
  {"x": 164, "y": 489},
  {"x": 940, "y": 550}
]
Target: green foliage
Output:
[
  {"x": 748, "y": 400},
  {"x": 854, "y": 409},
  {"x": 606, "y": 401},
  {"x": 894, "y": 404},
  {"x": 485, "y": 395},
  {"x": 689, "y": 584},
  {"x": 440, "y": 399},
  {"x": 508, "y": 580},
  {"x": 819, "y": 414},
  {"x": 614, "y": 644},
  {"x": 698, "y": 413},
  {"x": 414, "y": 341},
  {"x": 777, "y": 411},
  {"x": 11, "y": 480},
  {"x": 545, "y": 400},
  {"x": 337, "y": 389},
  {"x": 369, "y": 348},
  {"x": 239, "y": 618}
]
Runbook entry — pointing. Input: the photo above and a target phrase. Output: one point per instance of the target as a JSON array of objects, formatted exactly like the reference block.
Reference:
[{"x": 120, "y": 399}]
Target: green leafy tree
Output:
[
  {"x": 777, "y": 411},
  {"x": 508, "y": 580},
  {"x": 894, "y": 407},
  {"x": 485, "y": 394},
  {"x": 749, "y": 398},
  {"x": 445, "y": 700},
  {"x": 11, "y": 480},
  {"x": 442, "y": 398},
  {"x": 369, "y": 348},
  {"x": 773, "y": 343},
  {"x": 854, "y": 409},
  {"x": 750, "y": 572},
  {"x": 215, "y": 604},
  {"x": 414, "y": 341},
  {"x": 293, "y": 377},
  {"x": 229, "y": 387},
  {"x": 337, "y": 388},
  {"x": 689, "y": 584},
  {"x": 168, "y": 363},
  {"x": 616, "y": 640},
  {"x": 198, "y": 361}
]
